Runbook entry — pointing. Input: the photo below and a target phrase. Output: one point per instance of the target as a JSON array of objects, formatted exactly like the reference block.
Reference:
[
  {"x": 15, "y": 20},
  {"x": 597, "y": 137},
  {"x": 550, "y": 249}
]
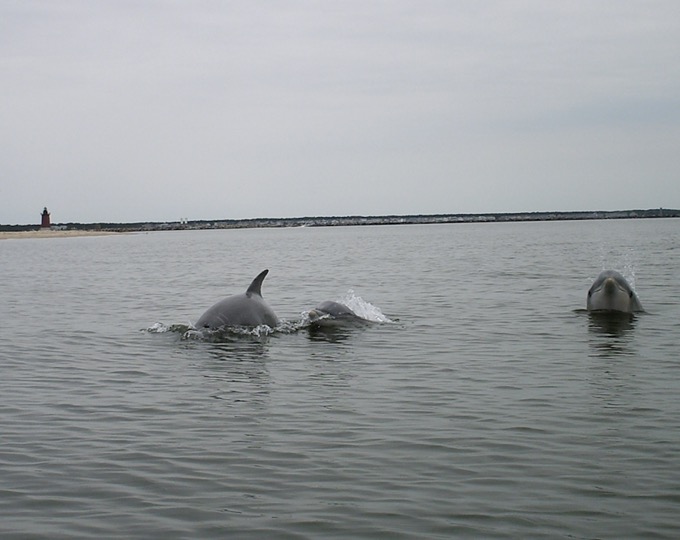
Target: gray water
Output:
[{"x": 489, "y": 406}]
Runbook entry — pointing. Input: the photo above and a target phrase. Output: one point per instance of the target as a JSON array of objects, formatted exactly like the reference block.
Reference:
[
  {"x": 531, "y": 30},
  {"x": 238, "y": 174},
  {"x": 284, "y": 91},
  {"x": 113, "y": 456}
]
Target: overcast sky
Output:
[{"x": 147, "y": 110}]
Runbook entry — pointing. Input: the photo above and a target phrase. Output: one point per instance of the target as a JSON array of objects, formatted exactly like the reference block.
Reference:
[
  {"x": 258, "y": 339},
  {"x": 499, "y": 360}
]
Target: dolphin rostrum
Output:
[{"x": 246, "y": 309}]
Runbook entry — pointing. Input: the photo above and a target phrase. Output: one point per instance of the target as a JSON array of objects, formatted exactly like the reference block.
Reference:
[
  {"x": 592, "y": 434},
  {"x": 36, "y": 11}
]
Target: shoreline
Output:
[
  {"x": 103, "y": 229},
  {"x": 21, "y": 235}
]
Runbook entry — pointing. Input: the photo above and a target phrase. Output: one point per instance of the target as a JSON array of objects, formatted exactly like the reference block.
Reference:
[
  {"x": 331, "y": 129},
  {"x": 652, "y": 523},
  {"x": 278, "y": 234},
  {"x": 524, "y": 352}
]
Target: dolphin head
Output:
[
  {"x": 331, "y": 314},
  {"x": 331, "y": 309},
  {"x": 611, "y": 292}
]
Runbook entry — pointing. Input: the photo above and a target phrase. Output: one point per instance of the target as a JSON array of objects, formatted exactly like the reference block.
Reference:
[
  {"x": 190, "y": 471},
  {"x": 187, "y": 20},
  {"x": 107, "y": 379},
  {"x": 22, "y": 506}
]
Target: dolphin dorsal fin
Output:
[{"x": 256, "y": 285}]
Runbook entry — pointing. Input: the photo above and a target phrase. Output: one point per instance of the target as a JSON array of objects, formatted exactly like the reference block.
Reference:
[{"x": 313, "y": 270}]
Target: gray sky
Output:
[{"x": 157, "y": 110}]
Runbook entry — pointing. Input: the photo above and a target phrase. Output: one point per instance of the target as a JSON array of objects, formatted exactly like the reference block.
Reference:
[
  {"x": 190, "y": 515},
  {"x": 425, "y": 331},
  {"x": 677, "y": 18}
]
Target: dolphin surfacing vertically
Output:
[
  {"x": 610, "y": 292},
  {"x": 247, "y": 309}
]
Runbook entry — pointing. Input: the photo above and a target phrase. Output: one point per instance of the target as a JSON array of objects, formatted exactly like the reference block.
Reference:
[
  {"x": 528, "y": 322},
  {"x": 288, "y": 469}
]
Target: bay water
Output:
[{"x": 482, "y": 401}]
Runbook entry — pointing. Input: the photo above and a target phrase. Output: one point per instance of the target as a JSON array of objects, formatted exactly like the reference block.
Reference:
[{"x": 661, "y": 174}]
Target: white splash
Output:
[
  {"x": 158, "y": 328},
  {"x": 362, "y": 308},
  {"x": 624, "y": 263}
]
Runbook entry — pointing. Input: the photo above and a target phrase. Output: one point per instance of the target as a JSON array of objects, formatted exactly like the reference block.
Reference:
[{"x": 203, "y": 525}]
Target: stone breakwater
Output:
[{"x": 334, "y": 221}]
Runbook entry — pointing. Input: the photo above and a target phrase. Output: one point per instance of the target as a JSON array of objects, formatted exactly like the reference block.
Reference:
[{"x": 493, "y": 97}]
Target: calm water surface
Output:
[{"x": 491, "y": 406}]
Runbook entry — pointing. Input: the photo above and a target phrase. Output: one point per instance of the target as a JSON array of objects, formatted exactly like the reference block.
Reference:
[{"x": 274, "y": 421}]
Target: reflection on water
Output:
[
  {"x": 336, "y": 331},
  {"x": 611, "y": 332},
  {"x": 614, "y": 382},
  {"x": 612, "y": 323},
  {"x": 237, "y": 371},
  {"x": 240, "y": 350},
  {"x": 330, "y": 334}
]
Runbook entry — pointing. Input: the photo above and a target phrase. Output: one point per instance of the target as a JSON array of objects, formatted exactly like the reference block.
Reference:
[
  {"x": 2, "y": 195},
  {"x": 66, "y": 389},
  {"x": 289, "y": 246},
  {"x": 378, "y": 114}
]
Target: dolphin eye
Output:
[
  {"x": 590, "y": 293},
  {"x": 630, "y": 294}
]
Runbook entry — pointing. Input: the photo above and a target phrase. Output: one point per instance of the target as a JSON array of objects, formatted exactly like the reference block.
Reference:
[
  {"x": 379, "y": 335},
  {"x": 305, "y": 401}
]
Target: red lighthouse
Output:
[{"x": 45, "y": 223}]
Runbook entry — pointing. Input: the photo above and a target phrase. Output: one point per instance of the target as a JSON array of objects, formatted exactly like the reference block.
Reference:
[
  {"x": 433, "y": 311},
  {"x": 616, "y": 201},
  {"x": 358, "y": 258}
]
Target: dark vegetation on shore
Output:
[{"x": 352, "y": 220}]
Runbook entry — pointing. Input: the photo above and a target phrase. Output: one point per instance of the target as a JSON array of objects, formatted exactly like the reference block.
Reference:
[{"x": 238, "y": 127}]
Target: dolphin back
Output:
[{"x": 245, "y": 309}]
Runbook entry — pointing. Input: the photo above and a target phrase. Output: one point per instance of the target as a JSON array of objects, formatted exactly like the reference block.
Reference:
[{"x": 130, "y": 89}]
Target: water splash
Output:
[
  {"x": 157, "y": 328},
  {"x": 362, "y": 308},
  {"x": 161, "y": 328},
  {"x": 190, "y": 332},
  {"x": 629, "y": 267},
  {"x": 229, "y": 333},
  {"x": 623, "y": 263}
]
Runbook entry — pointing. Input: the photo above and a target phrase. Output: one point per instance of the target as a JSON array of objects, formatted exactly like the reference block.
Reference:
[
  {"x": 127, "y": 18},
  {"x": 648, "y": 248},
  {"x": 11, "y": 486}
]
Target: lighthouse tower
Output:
[{"x": 45, "y": 223}]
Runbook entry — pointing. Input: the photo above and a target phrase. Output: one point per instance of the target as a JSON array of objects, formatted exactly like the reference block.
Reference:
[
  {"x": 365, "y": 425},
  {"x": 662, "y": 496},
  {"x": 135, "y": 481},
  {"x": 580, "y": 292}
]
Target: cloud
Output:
[{"x": 151, "y": 110}]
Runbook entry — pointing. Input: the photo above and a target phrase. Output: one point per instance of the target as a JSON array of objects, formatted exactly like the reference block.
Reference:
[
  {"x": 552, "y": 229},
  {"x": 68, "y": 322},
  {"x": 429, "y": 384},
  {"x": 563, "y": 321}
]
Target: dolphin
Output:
[
  {"x": 331, "y": 313},
  {"x": 332, "y": 309},
  {"x": 611, "y": 292},
  {"x": 246, "y": 309}
]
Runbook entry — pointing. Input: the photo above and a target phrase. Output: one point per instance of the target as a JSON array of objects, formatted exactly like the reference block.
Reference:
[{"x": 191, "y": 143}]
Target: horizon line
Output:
[{"x": 669, "y": 212}]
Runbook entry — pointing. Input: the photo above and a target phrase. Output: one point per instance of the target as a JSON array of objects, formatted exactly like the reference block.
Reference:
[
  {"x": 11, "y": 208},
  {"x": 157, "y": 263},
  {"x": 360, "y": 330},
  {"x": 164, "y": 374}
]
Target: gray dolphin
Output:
[
  {"x": 246, "y": 309},
  {"x": 611, "y": 292},
  {"x": 331, "y": 313}
]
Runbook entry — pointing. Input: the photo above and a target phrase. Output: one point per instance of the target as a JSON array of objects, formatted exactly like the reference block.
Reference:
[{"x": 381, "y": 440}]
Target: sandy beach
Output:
[{"x": 47, "y": 233}]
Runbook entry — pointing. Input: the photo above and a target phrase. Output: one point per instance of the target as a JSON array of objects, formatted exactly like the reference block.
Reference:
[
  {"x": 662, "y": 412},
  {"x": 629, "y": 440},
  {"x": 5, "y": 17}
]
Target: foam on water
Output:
[
  {"x": 161, "y": 328},
  {"x": 362, "y": 308},
  {"x": 157, "y": 328}
]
